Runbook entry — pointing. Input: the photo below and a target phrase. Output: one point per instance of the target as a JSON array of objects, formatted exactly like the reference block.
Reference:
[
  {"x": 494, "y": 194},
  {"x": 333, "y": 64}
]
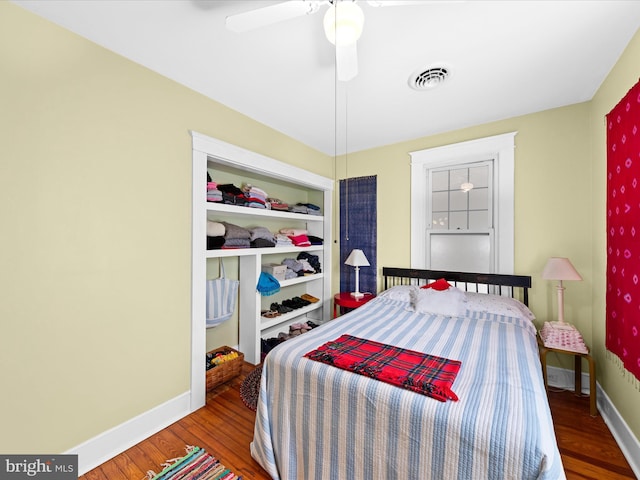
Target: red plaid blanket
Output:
[{"x": 416, "y": 371}]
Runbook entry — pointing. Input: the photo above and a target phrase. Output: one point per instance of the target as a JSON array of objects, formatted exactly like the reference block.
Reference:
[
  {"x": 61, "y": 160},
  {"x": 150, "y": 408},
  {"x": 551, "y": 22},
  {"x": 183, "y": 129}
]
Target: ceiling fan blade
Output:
[
  {"x": 347, "y": 62},
  {"x": 261, "y": 17}
]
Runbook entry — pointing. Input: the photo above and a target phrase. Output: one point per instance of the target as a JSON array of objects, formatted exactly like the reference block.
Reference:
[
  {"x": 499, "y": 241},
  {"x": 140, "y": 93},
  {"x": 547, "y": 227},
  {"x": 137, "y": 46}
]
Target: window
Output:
[{"x": 462, "y": 206}]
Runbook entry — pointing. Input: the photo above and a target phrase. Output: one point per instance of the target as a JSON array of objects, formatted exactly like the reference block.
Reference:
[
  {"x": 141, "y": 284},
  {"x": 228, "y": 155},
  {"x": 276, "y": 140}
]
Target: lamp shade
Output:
[
  {"x": 343, "y": 23},
  {"x": 560, "y": 268},
  {"x": 357, "y": 258}
]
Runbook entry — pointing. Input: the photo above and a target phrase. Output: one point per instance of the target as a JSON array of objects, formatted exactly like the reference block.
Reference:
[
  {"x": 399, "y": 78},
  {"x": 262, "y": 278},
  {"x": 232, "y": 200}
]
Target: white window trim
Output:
[{"x": 500, "y": 148}]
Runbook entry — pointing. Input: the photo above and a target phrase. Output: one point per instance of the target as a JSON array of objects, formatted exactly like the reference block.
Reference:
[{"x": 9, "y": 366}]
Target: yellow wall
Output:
[
  {"x": 95, "y": 175},
  {"x": 95, "y": 162}
]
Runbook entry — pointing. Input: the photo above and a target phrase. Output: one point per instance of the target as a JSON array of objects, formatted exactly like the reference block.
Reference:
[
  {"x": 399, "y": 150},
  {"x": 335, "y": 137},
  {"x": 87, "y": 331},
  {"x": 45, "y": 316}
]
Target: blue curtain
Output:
[{"x": 358, "y": 229}]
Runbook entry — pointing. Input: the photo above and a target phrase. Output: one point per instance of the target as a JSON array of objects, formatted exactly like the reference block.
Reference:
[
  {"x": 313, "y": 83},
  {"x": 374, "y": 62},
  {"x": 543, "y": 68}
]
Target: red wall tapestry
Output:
[{"x": 623, "y": 231}]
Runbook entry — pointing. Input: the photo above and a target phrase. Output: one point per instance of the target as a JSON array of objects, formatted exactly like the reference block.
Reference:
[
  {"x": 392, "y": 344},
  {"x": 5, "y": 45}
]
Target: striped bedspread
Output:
[{"x": 315, "y": 421}]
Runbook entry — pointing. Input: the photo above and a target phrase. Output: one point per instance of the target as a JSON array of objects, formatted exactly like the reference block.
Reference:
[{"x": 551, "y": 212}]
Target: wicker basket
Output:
[{"x": 224, "y": 371}]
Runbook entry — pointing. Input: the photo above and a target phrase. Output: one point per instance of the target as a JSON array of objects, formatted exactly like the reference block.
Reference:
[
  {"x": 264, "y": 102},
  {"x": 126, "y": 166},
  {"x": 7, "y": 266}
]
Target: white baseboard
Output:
[
  {"x": 116, "y": 440},
  {"x": 626, "y": 440}
]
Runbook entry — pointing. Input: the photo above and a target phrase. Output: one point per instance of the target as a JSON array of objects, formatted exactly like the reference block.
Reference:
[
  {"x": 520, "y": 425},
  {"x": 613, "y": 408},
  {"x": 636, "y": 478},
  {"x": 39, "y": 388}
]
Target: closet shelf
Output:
[
  {"x": 266, "y": 323},
  {"x": 304, "y": 279},
  {"x": 233, "y": 210},
  {"x": 242, "y": 252}
]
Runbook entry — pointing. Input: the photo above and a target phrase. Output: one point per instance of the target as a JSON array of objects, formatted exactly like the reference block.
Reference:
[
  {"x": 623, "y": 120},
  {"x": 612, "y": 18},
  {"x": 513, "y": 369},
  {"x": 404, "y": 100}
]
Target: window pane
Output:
[
  {"x": 461, "y": 252},
  {"x": 440, "y": 220},
  {"x": 458, "y": 200},
  {"x": 458, "y": 177},
  {"x": 440, "y": 201},
  {"x": 479, "y": 176},
  {"x": 440, "y": 180},
  {"x": 478, "y": 199},
  {"x": 478, "y": 219},
  {"x": 458, "y": 221}
]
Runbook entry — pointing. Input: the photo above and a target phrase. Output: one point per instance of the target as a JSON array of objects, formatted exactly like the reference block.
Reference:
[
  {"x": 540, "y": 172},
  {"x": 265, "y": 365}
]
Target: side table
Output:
[
  {"x": 344, "y": 300},
  {"x": 577, "y": 372}
]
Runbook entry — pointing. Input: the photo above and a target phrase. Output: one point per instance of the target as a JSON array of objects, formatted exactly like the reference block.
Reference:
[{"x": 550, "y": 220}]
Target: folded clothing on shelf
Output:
[
  {"x": 308, "y": 208},
  {"x": 215, "y": 243},
  {"x": 315, "y": 240},
  {"x": 214, "y": 196},
  {"x": 283, "y": 241},
  {"x": 236, "y": 236},
  {"x": 277, "y": 204},
  {"x": 293, "y": 231},
  {"x": 215, "y": 229},
  {"x": 313, "y": 260},
  {"x": 300, "y": 240},
  {"x": 232, "y": 194}
]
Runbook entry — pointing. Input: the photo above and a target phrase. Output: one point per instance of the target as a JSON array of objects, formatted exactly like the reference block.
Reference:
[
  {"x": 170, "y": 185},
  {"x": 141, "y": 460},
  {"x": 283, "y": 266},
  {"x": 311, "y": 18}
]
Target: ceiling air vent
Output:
[{"x": 430, "y": 78}]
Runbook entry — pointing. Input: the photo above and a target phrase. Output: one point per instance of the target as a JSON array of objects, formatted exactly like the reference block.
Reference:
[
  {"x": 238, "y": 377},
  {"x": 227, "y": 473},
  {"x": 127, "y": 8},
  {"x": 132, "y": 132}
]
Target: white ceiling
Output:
[{"x": 507, "y": 58}]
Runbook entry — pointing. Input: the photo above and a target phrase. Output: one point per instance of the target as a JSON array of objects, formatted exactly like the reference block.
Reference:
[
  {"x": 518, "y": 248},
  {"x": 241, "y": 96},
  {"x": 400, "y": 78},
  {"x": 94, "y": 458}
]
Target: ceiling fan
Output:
[{"x": 343, "y": 22}]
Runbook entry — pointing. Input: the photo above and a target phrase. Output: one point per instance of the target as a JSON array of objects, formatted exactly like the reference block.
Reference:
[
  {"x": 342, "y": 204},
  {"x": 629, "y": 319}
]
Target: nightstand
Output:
[
  {"x": 344, "y": 300},
  {"x": 577, "y": 372}
]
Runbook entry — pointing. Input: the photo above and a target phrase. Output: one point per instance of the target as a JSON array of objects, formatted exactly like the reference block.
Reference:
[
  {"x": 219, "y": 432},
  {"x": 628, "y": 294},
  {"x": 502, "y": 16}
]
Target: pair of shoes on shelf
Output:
[
  {"x": 309, "y": 298},
  {"x": 299, "y": 328},
  {"x": 311, "y": 324},
  {"x": 270, "y": 313},
  {"x": 281, "y": 309},
  {"x": 296, "y": 302}
]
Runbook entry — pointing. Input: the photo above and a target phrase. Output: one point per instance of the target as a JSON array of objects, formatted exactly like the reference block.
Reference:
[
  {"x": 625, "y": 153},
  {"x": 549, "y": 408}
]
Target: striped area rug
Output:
[{"x": 197, "y": 464}]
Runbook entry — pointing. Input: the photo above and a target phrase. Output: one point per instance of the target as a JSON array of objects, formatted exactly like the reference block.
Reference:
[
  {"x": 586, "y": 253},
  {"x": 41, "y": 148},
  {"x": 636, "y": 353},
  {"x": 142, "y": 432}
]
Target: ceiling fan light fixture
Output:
[{"x": 343, "y": 23}]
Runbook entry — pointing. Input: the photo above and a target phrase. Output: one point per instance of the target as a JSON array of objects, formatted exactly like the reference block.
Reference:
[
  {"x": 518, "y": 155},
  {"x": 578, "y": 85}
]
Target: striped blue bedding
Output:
[{"x": 316, "y": 421}]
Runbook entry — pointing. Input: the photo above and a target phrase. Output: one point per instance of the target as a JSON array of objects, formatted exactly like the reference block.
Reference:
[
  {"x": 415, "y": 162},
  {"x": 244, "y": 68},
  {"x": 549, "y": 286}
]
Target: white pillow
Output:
[
  {"x": 498, "y": 304},
  {"x": 401, "y": 293},
  {"x": 448, "y": 302}
]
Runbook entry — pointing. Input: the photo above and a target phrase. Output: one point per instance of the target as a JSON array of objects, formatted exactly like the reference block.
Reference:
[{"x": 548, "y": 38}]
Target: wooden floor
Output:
[{"x": 224, "y": 428}]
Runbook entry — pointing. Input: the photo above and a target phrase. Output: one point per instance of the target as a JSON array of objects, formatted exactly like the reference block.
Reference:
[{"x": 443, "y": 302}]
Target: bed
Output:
[{"x": 316, "y": 421}]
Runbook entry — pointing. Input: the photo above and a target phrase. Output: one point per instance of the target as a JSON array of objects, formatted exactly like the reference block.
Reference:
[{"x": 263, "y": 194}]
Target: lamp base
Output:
[
  {"x": 562, "y": 336},
  {"x": 357, "y": 294}
]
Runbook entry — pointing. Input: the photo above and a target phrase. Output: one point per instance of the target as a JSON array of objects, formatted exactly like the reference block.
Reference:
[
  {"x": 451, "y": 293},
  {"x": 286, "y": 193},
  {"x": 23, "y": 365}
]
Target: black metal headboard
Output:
[{"x": 468, "y": 281}]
